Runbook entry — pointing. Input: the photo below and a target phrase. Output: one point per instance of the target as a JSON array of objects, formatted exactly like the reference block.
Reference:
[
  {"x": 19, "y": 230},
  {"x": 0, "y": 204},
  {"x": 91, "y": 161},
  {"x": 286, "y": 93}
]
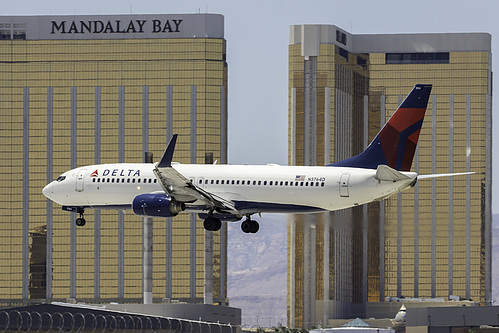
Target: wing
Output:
[{"x": 183, "y": 190}]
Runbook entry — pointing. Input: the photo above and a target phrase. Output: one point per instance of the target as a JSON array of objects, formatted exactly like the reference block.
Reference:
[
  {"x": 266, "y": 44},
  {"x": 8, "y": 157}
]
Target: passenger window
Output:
[
  {"x": 259, "y": 182},
  {"x": 222, "y": 181},
  {"x": 128, "y": 180},
  {"x": 217, "y": 181},
  {"x": 270, "y": 183},
  {"x": 322, "y": 184},
  {"x": 133, "y": 180},
  {"x": 286, "y": 184},
  {"x": 242, "y": 182}
]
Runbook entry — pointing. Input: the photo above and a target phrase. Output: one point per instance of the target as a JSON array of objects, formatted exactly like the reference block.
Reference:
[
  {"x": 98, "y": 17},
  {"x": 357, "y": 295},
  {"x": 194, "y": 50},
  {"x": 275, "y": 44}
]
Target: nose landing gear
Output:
[
  {"x": 81, "y": 220},
  {"x": 78, "y": 210}
]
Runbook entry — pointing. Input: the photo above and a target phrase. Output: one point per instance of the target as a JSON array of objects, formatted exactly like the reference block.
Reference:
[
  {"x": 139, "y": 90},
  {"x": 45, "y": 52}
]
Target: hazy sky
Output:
[{"x": 257, "y": 34}]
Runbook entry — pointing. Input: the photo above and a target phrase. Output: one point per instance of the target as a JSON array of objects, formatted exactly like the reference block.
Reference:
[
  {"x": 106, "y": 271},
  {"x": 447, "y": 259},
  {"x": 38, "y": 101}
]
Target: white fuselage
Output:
[{"x": 253, "y": 189}]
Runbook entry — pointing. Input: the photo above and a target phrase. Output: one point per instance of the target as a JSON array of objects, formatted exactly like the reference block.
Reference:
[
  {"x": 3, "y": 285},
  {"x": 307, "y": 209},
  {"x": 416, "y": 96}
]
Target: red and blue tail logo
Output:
[{"x": 396, "y": 143}]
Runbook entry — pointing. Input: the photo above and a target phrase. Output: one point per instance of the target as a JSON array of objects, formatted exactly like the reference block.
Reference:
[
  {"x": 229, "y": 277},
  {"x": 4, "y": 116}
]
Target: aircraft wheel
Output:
[
  {"x": 212, "y": 224},
  {"x": 80, "y": 221},
  {"x": 246, "y": 226},
  {"x": 218, "y": 225},
  {"x": 250, "y": 226},
  {"x": 255, "y": 226}
]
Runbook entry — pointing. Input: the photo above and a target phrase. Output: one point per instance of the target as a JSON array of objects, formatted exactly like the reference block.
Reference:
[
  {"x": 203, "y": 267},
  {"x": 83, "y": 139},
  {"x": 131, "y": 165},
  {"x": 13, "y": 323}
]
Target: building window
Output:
[
  {"x": 4, "y": 34},
  {"x": 341, "y": 37},
  {"x": 13, "y": 31},
  {"x": 417, "y": 58},
  {"x": 19, "y": 34},
  {"x": 344, "y": 53},
  {"x": 362, "y": 62}
]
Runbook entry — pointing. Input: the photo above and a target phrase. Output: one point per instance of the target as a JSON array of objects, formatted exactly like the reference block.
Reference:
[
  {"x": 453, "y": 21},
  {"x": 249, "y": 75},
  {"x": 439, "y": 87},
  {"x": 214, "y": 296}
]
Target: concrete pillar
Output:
[
  {"x": 208, "y": 267},
  {"x": 147, "y": 233}
]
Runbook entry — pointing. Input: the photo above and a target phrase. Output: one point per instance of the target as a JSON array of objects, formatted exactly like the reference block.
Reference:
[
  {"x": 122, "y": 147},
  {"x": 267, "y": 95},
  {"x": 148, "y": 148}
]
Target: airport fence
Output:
[{"x": 69, "y": 322}]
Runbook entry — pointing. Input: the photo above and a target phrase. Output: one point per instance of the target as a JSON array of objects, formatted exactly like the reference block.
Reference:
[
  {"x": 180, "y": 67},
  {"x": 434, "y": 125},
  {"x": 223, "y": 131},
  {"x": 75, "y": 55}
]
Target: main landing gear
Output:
[
  {"x": 250, "y": 226},
  {"x": 81, "y": 220},
  {"x": 212, "y": 223}
]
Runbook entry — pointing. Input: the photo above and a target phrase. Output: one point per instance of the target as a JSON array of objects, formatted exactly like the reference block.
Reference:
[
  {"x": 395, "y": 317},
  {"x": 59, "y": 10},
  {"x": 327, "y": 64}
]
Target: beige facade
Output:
[
  {"x": 68, "y": 102},
  {"x": 430, "y": 242}
]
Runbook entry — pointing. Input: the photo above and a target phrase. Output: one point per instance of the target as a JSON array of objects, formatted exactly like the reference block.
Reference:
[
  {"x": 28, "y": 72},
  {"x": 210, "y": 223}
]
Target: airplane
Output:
[{"x": 220, "y": 192}]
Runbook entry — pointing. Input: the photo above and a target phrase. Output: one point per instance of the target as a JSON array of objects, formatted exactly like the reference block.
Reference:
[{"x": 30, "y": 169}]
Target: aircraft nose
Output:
[{"x": 47, "y": 191}]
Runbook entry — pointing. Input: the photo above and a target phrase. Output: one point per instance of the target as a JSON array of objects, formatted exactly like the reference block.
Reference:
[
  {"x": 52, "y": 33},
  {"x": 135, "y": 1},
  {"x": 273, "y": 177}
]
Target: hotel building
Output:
[
  {"x": 83, "y": 90},
  {"x": 433, "y": 241}
]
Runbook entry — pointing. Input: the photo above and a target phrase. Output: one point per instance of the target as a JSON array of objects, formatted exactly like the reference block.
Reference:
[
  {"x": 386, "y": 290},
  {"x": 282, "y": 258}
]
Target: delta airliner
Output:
[{"x": 230, "y": 192}]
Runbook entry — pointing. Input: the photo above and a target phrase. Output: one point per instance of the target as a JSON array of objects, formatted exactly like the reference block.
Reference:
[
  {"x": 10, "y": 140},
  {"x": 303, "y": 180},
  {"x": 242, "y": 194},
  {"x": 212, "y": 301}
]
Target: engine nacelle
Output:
[{"x": 156, "y": 205}]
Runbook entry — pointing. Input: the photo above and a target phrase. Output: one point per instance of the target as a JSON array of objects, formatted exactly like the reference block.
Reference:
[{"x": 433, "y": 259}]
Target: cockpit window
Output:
[{"x": 61, "y": 178}]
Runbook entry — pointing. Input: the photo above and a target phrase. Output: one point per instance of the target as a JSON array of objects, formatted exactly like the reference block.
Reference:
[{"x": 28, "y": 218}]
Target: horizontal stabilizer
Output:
[
  {"x": 438, "y": 175},
  {"x": 384, "y": 172}
]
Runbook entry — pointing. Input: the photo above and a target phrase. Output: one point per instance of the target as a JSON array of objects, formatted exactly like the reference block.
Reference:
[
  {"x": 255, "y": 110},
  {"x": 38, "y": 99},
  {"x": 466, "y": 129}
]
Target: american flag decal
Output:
[{"x": 300, "y": 178}]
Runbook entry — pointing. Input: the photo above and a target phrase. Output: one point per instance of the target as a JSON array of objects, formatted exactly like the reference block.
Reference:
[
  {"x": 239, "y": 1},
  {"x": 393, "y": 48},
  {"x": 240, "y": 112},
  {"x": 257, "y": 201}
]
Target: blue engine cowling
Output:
[{"x": 156, "y": 205}]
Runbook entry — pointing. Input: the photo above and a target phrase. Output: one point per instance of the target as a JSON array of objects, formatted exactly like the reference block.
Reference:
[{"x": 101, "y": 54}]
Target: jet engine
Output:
[{"x": 156, "y": 205}]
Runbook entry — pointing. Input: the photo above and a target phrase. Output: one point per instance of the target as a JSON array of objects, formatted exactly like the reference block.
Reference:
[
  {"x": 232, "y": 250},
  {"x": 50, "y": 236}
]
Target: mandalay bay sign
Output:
[
  {"x": 132, "y": 26},
  {"x": 116, "y": 26}
]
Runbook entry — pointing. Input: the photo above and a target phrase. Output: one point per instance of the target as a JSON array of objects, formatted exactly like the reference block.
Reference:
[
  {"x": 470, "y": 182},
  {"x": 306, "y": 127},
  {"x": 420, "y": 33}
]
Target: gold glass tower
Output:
[
  {"x": 433, "y": 241},
  {"x": 83, "y": 90}
]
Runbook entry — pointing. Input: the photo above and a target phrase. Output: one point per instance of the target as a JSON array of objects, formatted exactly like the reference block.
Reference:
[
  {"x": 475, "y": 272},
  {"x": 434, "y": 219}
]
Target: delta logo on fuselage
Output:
[{"x": 117, "y": 173}]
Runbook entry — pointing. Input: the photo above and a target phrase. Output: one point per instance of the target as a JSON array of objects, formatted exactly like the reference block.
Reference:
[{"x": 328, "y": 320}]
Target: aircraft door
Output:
[
  {"x": 80, "y": 180},
  {"x": 344, "y": 185}
]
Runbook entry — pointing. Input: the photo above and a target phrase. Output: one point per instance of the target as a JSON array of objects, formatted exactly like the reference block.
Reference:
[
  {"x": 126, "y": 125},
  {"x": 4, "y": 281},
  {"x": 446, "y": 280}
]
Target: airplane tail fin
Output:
[{"x": 396, "y": 143}]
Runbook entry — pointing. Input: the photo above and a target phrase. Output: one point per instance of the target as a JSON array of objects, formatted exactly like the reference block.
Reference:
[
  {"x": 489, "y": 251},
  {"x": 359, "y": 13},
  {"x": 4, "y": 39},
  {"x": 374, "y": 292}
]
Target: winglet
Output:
[{"x": 166, "y": 160}]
